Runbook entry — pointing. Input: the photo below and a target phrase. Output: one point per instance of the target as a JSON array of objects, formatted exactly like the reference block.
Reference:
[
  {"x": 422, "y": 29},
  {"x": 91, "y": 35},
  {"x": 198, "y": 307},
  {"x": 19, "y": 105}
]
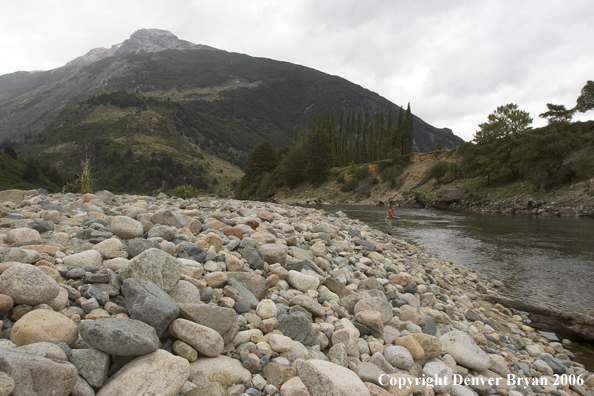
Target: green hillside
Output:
[{"x": 197, "y": 107}]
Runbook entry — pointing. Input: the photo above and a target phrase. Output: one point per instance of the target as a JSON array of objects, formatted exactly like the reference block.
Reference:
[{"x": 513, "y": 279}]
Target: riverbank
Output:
[
  {"x": 212, "y": 295},
  {"x": 415, "y": 189}
]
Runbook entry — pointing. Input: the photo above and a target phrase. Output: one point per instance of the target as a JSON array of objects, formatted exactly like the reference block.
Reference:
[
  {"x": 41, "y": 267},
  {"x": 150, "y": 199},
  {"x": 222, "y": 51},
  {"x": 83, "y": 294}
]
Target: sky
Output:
[{"x": 454, "y": 61}]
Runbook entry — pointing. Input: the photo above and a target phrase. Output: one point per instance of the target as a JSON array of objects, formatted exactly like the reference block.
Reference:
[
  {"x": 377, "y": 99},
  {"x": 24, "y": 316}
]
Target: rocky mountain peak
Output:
[
  {"x": 155, "y": 40},
  {"x": 143, "y": 40}
]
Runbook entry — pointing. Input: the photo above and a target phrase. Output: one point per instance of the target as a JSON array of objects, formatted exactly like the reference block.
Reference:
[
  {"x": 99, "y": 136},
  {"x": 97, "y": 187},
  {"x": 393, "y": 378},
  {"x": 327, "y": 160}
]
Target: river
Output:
[{"x": 541, "y": 260}]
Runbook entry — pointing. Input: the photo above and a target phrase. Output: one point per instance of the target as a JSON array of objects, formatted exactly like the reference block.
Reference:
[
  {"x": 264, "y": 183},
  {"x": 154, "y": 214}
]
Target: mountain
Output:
[{"x": 156, "y": 108}]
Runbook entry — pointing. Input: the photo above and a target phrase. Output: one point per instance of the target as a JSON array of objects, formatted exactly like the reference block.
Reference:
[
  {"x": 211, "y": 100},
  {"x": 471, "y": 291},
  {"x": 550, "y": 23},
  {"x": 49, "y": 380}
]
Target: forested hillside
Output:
[{"x": 158, "y": 117}]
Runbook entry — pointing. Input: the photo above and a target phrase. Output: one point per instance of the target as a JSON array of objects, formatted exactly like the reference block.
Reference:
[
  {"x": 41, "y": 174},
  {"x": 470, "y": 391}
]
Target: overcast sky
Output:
[{"x": 454, "y": 61}]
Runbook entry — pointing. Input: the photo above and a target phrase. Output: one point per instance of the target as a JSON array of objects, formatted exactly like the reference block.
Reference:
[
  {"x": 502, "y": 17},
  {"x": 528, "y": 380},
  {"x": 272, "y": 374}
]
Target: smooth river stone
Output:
[
  {"x": 27, "y": 284},
  {"x": 36, "y": 375},
  {"x": 121, "y": 337},
  {"x": 326, "y": 378},
  {"x": 157, "y": 373},
  {"x": 464, "y": 350},
  {"x": 204, "y": 339},
  {"x": 42, "y": 325},
  {"x": 222, "y": 369}
]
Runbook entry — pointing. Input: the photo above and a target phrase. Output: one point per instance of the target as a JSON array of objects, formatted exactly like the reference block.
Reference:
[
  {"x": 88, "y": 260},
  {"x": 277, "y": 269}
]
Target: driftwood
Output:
[{"x": 573, "y": 325}]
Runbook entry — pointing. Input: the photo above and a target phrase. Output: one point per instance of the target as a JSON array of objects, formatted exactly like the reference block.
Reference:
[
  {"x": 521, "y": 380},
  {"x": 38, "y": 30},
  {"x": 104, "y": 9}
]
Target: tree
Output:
[
  {"x": 557, "y": 114},
  {"x": 585, "y": 101},
  {"x": 495, "y": 140},
  {"x": 507, "y": 120},
  {"x": 260, "y": 160}
]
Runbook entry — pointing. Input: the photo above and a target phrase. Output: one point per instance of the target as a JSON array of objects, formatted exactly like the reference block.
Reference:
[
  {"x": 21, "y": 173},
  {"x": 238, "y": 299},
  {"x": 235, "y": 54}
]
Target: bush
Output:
[
  {"x": 350, "y": 185},
  {"x": 583, "y": 165},
  {"x": 391, "y": 174},
  {"x": 352, "y": 168},
  {"x": 438, "y": 170},
  {"x": 340, "y": 179},
  {"x": 10, "y": 152},
  {"x": 185, "y": 191},
  {"x": 362, "y": 173}
]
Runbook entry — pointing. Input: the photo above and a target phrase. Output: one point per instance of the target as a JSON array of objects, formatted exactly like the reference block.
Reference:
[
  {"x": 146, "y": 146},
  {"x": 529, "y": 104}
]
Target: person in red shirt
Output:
[{"x": 389, "y": 217}]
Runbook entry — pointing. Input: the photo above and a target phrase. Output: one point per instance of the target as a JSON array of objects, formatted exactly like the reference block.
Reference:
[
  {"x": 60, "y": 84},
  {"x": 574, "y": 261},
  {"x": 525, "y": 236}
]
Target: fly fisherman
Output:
[{"x": 389, "y": 217}]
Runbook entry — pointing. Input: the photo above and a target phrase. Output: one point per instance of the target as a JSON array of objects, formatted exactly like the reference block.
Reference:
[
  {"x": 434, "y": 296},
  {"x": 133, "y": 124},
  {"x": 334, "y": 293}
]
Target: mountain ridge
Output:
[{"x": 219, "y": 103}]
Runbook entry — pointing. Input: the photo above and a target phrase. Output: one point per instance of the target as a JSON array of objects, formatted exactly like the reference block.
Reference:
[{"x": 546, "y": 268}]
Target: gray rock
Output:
[
  {"x": 309, "y": 304},
  {"x": 119, "y": 336},
  {"x": 41, "y": 226},
  {"x": 367, "y": 245},
  {"x": 36, "y": 375},
  {"x": 398, "y": 356},
  {"x": 27, "y": 284},
  {"x": 464, "y": 350},
  {"x": 274, "y": 252},
  {"x": 437, "y": 369},
  {"x": 138, "y": 245},
  {"x": 380, "y": 361},
  {"x": 146, "y": 302},
  {"x": 82, "y": 388},
  {"x": 18, "y": 255},
  {"x": 185, "y": 292},
  {"x": 451, "y": 195},
  {"x": 202, "y": 338},
  {"x": 87, "y": 259},
  {"x": 155, "y": 266},
  {"x": 253, "y": 282},
  {"x": 247, "y": 296},
  {"x": 298, "y": 327},
  {"x": 191, "y": 251},
  {"x": 6, "y": 384},
  {"x": 254, "y": 257},
  {"x": 14, "y": 196},
  {"x": 380, "y": 305},
  {"x": 163, "y": 231},
  {"x": 430, "y": 327},
  {"x": 126, "y": 227},
  {"x": 369, "y": 372},
  {"x": 472, "y": 315},
  {"x": 555, "y": 364},
  {"x": 90, "y": 291},
  {"x": 325, "y": 378},
  {"x": 156, "y": 373},
  {"x": 91, "y": 364},
  {"x": 217, "y": 318}
]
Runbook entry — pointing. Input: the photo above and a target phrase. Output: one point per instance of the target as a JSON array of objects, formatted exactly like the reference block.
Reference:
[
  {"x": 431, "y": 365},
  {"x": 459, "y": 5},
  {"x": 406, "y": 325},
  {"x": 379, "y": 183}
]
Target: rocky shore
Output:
[
  {"x": 133, "y": 295},
  {"x": 452, "y": 199}
]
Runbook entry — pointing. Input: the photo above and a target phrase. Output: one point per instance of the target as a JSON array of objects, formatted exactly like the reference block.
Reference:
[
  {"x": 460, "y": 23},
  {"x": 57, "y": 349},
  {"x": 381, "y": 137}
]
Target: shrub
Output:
[
  {"x": 438, "y": 170},
  {"x": 350, "y": 185},
  {"x": 390, "y": 174},
  {"x": 352, "y": 168},
  {"x": 362, "y": 173},
  {"x": 583, "y": 165},
  {"x": 340, "y": 179},
  {"x": 185, "y": 191}
]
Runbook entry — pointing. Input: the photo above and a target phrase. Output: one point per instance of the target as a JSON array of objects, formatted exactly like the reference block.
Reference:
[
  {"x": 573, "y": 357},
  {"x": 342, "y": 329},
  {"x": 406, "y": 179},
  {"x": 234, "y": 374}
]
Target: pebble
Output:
[{"x": 247, "y": 298}]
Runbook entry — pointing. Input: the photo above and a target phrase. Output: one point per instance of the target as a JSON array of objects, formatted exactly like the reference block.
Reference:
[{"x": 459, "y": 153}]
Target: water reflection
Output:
[{"x": 542, "y": 260}]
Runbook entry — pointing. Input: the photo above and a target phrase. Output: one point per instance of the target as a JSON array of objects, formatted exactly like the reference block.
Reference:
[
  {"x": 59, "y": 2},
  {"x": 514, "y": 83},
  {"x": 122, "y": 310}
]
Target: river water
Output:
[{"x": 542, "y": 260}]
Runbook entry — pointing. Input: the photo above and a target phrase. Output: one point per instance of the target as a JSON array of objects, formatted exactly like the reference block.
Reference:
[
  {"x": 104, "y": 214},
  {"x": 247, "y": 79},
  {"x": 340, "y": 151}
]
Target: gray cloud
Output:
[{"x": 455, "y": 61}]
